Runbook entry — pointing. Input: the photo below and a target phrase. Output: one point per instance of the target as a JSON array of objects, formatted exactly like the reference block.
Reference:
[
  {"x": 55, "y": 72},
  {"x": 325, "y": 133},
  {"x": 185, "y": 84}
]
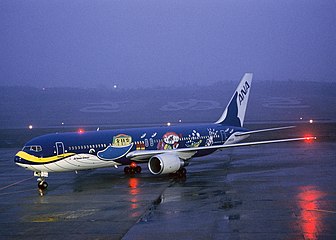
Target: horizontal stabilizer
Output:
[{"x": 263, "y": 130}]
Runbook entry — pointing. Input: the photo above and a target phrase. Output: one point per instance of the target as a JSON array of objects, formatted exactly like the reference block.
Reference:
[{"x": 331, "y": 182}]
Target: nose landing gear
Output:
[
  {"x": 41, "y": 182},
  {"x": 42, "y": 185}
]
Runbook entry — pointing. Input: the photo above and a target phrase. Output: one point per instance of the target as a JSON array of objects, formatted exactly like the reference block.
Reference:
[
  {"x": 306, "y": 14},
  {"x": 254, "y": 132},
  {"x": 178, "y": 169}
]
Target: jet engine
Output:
[{"x": 165, "y": 163}]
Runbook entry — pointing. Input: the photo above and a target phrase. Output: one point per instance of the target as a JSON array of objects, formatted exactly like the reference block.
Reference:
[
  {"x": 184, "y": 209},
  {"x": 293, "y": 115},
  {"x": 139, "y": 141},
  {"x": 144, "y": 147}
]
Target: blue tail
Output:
[{"x": 234, "y": 113}]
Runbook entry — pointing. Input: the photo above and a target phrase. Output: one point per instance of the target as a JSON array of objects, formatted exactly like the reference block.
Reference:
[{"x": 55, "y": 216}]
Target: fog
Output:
[
  {"x": 130, "y": 44},
  {"x": 271, "y": 102}
]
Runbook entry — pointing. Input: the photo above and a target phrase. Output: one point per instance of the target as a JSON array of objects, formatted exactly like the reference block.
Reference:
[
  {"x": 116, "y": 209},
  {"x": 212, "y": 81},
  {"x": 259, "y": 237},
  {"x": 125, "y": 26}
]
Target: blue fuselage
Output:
[{"x": 113, "y": 145}]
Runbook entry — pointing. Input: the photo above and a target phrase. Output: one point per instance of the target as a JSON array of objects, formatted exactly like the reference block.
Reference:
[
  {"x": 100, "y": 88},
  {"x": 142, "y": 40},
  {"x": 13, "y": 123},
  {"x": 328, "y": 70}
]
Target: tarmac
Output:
[{"x": 277, "y": 191}]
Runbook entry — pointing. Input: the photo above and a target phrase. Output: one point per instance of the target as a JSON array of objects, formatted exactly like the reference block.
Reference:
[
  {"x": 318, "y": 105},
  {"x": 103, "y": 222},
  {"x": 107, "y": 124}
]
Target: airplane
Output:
[{"x": 166, "y": 150}]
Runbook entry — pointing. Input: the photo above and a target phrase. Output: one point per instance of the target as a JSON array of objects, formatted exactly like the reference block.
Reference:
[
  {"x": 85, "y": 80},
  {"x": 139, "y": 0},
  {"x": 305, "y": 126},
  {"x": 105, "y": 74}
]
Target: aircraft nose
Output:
[{"x": 17, "y": 159}]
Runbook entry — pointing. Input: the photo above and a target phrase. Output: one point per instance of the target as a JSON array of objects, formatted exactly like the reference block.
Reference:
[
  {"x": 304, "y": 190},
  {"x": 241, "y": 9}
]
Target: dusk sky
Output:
[{"x": 101, "y": 43}]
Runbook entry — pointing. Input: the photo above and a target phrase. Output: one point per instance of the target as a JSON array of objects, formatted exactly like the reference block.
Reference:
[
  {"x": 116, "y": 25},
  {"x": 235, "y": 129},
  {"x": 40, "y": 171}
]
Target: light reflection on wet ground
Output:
[
  {"x": 283, "y": 191},
  {"x": 310, "y": 217}
]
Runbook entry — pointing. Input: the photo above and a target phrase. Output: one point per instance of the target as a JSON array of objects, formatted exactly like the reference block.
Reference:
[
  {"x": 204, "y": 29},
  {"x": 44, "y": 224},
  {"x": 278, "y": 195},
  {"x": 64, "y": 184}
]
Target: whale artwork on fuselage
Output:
[
  {"x": 120, "y": 146},
  {"x": 166, "y": 150}
]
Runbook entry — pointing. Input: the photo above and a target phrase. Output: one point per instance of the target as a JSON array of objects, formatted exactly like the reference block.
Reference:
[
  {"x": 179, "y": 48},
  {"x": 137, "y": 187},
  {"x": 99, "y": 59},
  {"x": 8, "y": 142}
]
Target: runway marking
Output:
[
  {"x": 13, "y": 184},
  {"x": 7, "y": 193},
  {"x": 191, "y": 104},
  {"x": 68, "y": 215}
]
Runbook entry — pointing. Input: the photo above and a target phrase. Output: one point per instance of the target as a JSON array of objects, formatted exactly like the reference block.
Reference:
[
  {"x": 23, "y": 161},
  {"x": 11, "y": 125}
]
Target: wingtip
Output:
[{"x": 310, "y": 138}]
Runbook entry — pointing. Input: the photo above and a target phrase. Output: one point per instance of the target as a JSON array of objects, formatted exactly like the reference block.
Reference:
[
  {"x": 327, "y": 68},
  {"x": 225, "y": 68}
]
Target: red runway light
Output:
[{"x": 80, "y": 131}]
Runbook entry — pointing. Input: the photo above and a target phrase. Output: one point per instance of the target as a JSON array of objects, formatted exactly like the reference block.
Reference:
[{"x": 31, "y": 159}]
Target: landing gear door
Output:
[{"x": 59, "y": 148}]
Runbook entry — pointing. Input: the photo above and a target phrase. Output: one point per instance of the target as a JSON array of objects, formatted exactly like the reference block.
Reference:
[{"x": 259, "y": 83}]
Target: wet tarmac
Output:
[{"x": 279, "y": 191}]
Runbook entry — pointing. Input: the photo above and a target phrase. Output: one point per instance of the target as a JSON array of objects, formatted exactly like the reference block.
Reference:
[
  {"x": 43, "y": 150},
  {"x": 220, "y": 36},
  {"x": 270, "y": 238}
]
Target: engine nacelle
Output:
[{"x": 165, "y": 163}]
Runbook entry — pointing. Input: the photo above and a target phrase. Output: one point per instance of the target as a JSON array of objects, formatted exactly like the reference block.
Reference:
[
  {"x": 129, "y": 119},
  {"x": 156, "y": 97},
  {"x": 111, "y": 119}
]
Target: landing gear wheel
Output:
[
  {"x": 138, "y": 169},
  {"x": 132, "y": 169},
  {"x": 181, "y": 173},
  {"x": 43, "y": 185},
  {"x": 127, "y": 170}
]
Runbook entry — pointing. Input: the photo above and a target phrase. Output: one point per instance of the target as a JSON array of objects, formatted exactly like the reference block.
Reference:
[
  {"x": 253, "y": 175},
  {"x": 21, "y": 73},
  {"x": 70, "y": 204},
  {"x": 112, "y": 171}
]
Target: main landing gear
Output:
[
  {"x": 181, "y": 173},
  {"x": 132, "y": 169},
  {"x": 41, "y": 182}
]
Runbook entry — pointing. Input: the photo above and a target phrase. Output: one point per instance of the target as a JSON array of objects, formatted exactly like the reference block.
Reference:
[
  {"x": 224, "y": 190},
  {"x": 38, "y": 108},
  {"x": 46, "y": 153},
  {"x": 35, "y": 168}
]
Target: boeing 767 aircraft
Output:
[{"x": 165, "y": 149}]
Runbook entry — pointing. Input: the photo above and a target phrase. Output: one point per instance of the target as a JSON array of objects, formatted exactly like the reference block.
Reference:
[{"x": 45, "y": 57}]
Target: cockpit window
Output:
[{"x": 35, "y": 148}]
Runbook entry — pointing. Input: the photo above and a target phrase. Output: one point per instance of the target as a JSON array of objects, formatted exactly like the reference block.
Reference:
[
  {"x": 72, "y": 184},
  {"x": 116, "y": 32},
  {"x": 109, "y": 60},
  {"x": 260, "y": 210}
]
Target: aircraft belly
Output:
[{"x": 73, "y": 163}]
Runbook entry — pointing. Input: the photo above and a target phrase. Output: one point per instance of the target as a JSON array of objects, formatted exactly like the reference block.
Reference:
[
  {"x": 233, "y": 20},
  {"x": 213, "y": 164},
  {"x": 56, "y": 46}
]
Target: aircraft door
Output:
[
  {"x": 146, "y": 143},
  {"x": 59, "y": 148}
]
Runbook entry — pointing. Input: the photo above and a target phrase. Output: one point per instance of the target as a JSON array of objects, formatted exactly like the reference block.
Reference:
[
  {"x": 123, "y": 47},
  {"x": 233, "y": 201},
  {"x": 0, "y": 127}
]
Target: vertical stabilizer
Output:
[{"x": 234, "y": 112}]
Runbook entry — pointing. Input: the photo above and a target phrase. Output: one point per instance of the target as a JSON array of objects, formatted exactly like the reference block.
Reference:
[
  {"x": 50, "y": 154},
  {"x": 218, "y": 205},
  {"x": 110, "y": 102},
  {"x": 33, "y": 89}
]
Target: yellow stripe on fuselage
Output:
[{"x": 31, "y": 158}]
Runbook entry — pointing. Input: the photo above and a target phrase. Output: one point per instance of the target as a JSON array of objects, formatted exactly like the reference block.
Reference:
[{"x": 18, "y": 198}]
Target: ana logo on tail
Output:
[
  {"x": 234, "y": 112},
  {"x": 243, "y": 92}
]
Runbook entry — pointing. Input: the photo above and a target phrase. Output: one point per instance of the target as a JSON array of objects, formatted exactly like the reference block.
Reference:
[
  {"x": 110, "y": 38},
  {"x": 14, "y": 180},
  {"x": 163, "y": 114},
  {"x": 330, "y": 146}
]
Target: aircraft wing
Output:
[{"x": 187, "y": 153}]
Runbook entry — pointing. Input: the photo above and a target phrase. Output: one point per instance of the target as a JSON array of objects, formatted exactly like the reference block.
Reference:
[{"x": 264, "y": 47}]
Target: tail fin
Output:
[{"x": 234, "y": 112}]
